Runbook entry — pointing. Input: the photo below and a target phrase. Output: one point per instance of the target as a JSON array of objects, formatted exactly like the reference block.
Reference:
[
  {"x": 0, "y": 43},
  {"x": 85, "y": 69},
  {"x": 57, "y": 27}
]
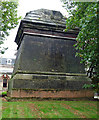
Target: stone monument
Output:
[{"x": 46, "y": 65}]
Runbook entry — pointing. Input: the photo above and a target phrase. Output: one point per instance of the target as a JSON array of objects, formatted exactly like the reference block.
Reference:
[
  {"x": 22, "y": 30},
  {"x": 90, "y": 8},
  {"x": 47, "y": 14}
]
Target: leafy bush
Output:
[
  {"x": 95, "y": 86},
  {"x": 4, "y": 93}
]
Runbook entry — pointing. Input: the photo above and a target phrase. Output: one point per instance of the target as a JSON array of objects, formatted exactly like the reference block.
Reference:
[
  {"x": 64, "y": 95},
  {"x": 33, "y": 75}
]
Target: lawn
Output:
[{"x": 50, "y": 109}]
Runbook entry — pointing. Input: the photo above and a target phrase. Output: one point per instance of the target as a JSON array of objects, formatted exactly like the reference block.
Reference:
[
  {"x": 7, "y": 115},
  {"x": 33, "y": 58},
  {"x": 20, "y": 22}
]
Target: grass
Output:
[{"x": 50, "y": 109}]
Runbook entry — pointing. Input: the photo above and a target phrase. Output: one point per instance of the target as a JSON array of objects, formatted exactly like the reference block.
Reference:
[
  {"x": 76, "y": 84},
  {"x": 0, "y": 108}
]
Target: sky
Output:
[{"x": 24, "y": 7}]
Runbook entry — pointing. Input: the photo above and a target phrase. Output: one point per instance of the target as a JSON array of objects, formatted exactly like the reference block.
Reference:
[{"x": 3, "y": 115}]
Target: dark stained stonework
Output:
[
  {"x": 46, "y": 56},
  {"x": 45, "y": 16}
]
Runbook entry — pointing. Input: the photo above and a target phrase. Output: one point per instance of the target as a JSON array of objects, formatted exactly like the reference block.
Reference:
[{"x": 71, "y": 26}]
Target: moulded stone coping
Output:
[
  {"x": 50, "y": 73},
  {"x": 51, "y": 77}
]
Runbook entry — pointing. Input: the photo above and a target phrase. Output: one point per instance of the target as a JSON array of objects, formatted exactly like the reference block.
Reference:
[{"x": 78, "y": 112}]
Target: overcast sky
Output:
[{"x": 24, "y": 7}]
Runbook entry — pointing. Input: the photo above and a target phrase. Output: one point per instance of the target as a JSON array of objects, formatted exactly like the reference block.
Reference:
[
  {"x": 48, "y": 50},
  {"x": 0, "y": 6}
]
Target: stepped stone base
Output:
[{"x": 49, "y": 85}]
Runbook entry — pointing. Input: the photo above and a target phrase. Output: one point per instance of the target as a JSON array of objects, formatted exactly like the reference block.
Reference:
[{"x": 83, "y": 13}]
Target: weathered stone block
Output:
[{"x": 44, "y": 54}]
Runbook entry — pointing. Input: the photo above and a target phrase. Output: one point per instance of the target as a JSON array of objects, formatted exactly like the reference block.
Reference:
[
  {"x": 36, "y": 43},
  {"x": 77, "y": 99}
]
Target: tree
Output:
[
  {"x": 8, "y": 18},
  {"x": 84, "y": 15}
]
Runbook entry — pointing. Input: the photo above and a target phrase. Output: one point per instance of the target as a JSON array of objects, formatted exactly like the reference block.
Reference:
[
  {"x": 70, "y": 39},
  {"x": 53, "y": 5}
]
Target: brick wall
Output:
[{"x": 51, "y": 93}]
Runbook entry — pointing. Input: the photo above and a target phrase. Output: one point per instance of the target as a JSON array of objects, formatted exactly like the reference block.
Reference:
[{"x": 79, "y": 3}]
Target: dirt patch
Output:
[
  {"x": 21, "y": 110},
  {"x": 55, "y": 110},
  {"x": 91, "y": 104},
  {"x": 3, "y": 108},
  {"x": 34, "y": 109},
  {"x": 76, "y": 112}
]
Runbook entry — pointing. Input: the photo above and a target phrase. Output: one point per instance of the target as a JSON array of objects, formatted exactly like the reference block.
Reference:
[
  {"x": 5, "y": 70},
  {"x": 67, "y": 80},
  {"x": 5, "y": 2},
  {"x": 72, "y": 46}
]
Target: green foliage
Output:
[
  {"x": 95, "y": 86},
  {"x": 4, "y": 93},
  {"x": 8, "y": 18},
  {"x": 84, "y": 15}
]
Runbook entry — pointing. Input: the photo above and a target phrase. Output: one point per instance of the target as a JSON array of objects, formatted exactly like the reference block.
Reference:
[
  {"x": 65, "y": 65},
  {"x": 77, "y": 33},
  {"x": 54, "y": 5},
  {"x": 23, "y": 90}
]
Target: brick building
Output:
[{"x": 6, "y": 69}]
